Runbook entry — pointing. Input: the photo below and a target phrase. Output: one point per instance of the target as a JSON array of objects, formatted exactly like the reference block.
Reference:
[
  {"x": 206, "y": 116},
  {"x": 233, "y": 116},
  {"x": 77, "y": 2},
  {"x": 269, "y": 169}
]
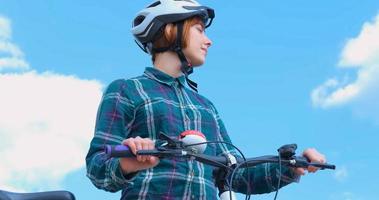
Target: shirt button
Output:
[
  {"x": 193, "y": 196},
  {"x": 192, "y": 173}
]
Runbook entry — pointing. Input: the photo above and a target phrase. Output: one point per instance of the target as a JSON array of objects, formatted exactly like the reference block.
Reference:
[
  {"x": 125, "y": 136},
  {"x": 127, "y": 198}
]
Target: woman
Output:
[{"x": 134, "y": 111}]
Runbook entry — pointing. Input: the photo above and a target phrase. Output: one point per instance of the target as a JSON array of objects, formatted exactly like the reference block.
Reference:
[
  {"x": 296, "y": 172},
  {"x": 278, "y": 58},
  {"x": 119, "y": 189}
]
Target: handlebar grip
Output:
[
  {"x": 323, "y": 166},
  {"x": 118, "y": 151},
  {"x": 304, "y": 162}
]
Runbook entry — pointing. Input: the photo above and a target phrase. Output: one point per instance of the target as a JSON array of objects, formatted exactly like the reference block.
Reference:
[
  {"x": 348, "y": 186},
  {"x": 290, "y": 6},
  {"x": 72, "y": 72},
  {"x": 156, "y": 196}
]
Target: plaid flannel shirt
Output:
[{"x": 156, "y": 102}]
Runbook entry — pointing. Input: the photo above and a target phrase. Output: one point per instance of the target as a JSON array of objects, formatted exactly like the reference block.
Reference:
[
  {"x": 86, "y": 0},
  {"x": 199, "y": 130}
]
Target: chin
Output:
[{"x": 197, "y": 62}]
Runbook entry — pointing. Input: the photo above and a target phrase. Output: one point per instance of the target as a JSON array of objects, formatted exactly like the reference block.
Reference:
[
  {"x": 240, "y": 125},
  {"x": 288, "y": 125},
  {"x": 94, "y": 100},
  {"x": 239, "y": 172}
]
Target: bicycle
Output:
[
  {"x": 50, "y": 195},
  {"x": 227, "y": 165}
]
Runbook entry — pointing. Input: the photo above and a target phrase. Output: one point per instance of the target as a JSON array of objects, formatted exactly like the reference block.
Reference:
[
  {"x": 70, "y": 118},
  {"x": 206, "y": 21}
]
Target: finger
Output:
[
  {"x": 312, "y": 169},
  {"x": 150, "y": 143},
  {"x": 130, "y": 143},
  {"x": 153, "y": 160},
  {"x": 138, "y": 144},
  {"x": 318, "y": 158},
  {"x": 310, "y": 153},
  {"x": 145, "y": 146},
  {"x": 314, "y": 156},
  {"x": 323, "y": 159},
  {"x": 300, "y": 171},
  {"x": 151, "y": 146}
]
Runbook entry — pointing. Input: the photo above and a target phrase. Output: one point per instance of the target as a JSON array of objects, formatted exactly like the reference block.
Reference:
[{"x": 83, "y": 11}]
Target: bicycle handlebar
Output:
[
  {"x": 217, "y": 161},
  {"x": 171, "y": 148}
]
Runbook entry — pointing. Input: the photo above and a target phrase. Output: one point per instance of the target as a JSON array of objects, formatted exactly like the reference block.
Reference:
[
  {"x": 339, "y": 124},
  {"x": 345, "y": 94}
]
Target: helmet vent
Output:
[
  {"x": 154, "y": 4},
  {"x": 138, "y": 20}
]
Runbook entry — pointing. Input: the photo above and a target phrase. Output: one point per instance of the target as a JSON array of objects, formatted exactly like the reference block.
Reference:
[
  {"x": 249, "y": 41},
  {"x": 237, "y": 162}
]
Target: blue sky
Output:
[{"x": 278, "y": 72}]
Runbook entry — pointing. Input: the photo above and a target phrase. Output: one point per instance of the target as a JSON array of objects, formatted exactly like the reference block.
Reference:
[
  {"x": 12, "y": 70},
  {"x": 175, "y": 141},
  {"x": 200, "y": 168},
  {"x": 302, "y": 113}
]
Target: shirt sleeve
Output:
[
  {"x": 260, "y": 179},
  {"x": 115, "y": 116}
]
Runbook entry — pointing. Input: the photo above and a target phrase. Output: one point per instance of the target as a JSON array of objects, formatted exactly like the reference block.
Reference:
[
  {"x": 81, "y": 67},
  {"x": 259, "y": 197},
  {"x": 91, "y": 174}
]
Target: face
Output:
[{"x": 197, "y": 46}]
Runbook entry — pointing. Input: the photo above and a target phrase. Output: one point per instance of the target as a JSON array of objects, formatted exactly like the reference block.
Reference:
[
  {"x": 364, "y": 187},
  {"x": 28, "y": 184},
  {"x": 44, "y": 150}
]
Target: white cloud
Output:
[
  {"x": 341, "y": 174},
  {"x": 362, "y": 54},
  {"x": 331, "y": 93},
  {"x": 10, "y": 55},
  {"x": 364, "y": 49},
  {"x": 46, "y": 122},
  {"x": 5, "y": 28}
]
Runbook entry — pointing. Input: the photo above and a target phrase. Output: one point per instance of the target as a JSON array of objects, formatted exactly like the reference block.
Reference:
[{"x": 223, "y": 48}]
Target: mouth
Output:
[{"x": 205, "y": 50}]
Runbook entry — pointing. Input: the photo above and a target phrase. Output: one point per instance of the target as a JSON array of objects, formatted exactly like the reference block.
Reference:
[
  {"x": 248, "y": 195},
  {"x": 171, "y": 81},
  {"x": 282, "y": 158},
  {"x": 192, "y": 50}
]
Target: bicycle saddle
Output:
[{"x": 52, "y": 195}]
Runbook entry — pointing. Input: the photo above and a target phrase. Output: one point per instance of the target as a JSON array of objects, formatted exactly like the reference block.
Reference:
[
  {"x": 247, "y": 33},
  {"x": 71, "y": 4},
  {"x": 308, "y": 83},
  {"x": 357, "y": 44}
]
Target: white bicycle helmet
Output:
[
  {"x": 149, "y": 21},
  {"x": 148, "y": 25}
]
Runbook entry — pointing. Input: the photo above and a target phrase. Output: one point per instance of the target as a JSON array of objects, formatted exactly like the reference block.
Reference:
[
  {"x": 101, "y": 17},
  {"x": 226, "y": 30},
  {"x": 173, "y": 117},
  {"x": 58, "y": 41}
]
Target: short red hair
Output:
[{"x": 168, "y": 37}]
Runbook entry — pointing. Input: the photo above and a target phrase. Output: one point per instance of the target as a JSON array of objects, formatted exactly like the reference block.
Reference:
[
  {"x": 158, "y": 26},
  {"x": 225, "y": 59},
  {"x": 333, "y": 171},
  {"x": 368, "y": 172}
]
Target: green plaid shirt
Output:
[{"x": 156, "y": 102}]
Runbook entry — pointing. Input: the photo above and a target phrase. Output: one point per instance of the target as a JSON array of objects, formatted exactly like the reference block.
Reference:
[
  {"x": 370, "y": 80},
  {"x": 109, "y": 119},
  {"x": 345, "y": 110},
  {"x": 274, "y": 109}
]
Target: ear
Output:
[{"x": 170, "y": 31}]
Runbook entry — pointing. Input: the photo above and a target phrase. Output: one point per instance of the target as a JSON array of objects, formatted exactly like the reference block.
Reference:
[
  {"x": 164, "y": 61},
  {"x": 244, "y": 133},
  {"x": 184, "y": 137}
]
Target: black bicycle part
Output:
[{"x": 51, "y": 195}]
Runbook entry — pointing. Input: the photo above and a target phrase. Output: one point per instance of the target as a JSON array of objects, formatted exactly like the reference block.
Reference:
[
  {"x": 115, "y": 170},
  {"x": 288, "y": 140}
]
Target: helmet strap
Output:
[
  {"x": 186, "y": 67},
  {"x": 141, "y": 47}
]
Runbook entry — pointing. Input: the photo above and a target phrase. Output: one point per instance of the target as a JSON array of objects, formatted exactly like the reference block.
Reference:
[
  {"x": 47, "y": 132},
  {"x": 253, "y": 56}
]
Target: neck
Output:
[{"x": 169, "y": 63}]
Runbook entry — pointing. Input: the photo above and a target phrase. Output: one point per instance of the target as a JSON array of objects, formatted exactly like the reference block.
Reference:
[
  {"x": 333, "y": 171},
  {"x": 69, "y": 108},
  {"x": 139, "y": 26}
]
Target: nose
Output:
[{"x": 208, "y": 42}]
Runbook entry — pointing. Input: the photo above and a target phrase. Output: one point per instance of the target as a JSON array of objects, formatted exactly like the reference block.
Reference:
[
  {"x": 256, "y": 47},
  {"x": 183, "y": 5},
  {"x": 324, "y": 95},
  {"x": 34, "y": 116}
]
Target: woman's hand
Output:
[
  {"x": 130, "y": 165},
  {"x": 313, "y": 156}
]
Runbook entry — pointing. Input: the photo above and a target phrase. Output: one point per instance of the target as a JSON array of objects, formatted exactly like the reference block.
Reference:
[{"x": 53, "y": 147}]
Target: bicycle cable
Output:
[
  {"x": 233, "y": 170},
  {"x": 280, "y": 176}
]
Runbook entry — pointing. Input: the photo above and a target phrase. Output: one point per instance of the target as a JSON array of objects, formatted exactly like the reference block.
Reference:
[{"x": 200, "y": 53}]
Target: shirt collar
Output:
[{"x": 160, "y": 76}]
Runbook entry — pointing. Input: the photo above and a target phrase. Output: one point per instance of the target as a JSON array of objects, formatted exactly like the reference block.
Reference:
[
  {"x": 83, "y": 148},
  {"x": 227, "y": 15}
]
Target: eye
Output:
[{"x": 200, "y": 29}]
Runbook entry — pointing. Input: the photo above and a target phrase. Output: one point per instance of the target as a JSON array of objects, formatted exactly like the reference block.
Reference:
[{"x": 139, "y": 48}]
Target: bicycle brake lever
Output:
[
  {"x": 172, "y": 143},
  {"x": 287, "y": 151}
]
